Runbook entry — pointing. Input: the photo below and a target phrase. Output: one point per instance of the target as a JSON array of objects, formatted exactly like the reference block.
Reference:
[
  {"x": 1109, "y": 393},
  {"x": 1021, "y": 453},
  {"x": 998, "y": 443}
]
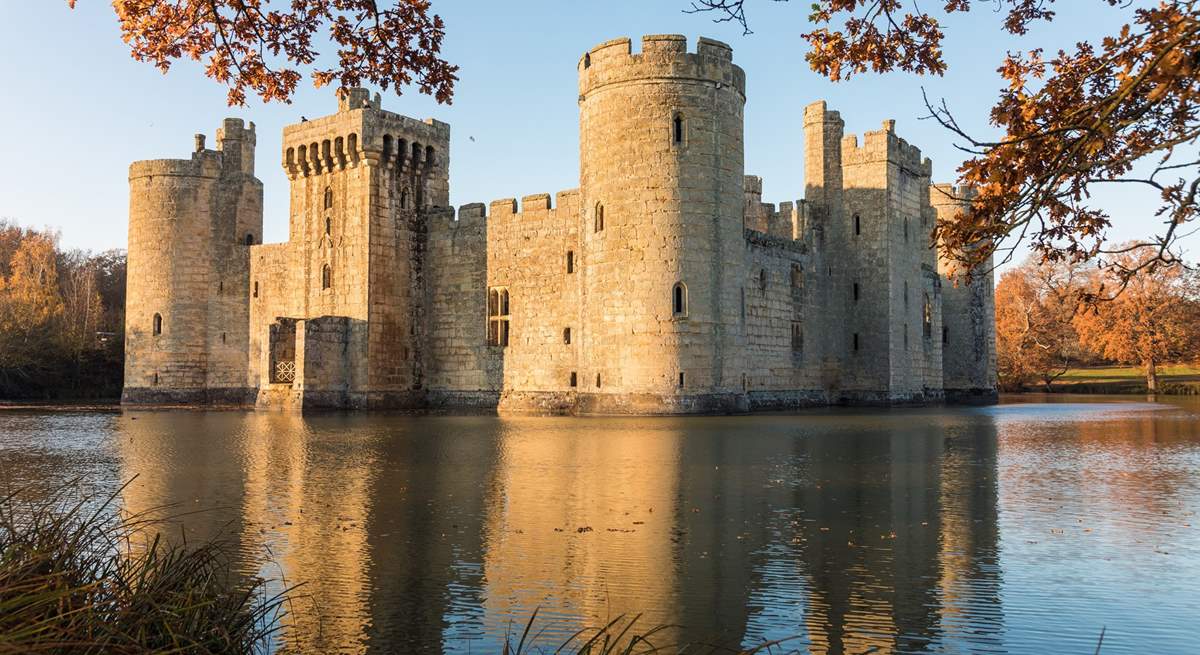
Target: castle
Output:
[{"x": 662, "y": 285}]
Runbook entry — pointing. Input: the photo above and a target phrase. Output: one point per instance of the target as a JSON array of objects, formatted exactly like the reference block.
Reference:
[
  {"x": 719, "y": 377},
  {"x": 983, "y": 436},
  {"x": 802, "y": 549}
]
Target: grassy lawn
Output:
[{"x": 1172, "y": 379}]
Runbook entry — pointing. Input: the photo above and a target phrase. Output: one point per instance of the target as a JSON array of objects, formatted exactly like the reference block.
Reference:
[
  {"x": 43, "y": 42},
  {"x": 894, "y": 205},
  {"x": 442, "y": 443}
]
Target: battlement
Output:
[
  {"x": 203, "y": 164},
  {"x": 885, "y": 145},
  {"x": 361, "y": 131},
  {"x": 819, "y": 112},
  {"x": 942, "y": 195},
  {"x": 662, "y": 56}
]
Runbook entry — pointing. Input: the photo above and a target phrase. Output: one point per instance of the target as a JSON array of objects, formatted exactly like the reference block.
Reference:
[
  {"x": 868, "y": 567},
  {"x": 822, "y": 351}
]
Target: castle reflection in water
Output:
[{"x": 420, "y": 534}]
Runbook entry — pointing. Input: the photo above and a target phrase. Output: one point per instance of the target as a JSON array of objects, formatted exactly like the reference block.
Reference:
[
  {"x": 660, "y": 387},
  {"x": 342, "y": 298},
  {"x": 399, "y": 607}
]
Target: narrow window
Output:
[
  {"x": 326, "y": 277},
  {"x": 574, "y": 379},
  {"x": 598, "y": 218},
  {"x": 678, "y": 129},
  {"x": 906, "y": 229},
  {"x": 498, "y": 317},
  {"x": 857, "y": 225},
  {"x": 256, "y": 288},
  {"x": 906, "y": 295},
  {"x": 157, "y": 324},
  {"x": 222, "y": 337},
  {"x": 597, "y": 380},
  {"x": 404, "y": 199},
  {"x": 567, "y": 336},
  {"x": 680, "y": 379},
  {"x": 570, "y": 261},
  {"x": 855, "y": 342},
  {"x": 906, "y": 336},
  {"x": 249, "y": 239},
  {"x": 679, "y": 300},
  {"x": 156, "y": 378},
  {"x": 856, "y": 292},
  {"x": 328, "y": 198},
  {"x": 945, "y": 335},
  {"x": 797, "y": 337},
  {"x": 928, "y": 318},
  {"x": 221, "y": 286},
  {"x": 587, "y": 60},
  {"x": 797, "y": 276},
  {"x": 762, "y": 279},
  {"x": 328, "y": 226}
]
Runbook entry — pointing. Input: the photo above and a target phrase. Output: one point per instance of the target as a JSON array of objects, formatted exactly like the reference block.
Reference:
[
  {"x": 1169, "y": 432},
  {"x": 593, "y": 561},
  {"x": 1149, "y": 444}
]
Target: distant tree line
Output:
[
  {"x": 62, "y": 318},
  {"x": 1053, "y": 315}
]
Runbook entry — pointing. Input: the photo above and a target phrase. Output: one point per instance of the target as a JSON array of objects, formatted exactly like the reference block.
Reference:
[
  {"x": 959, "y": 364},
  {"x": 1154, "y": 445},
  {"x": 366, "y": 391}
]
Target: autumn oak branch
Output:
[
  {"x": 1121, "y": 111},
  {"x": 266, "y": 47}
]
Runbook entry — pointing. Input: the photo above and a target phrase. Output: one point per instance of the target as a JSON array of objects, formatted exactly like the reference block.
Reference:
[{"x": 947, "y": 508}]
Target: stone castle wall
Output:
[{"x": 663, "y": 284}]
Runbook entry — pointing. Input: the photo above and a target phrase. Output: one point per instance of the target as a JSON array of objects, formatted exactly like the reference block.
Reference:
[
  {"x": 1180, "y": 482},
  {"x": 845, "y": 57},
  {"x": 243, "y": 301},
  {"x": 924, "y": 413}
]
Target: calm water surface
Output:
[{"x": 1022, "y": 528}]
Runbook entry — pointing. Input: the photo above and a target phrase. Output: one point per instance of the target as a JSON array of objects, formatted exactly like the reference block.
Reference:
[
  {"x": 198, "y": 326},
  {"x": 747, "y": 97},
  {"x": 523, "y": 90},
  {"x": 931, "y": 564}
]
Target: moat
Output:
[{"x": 1026, "y": 527}]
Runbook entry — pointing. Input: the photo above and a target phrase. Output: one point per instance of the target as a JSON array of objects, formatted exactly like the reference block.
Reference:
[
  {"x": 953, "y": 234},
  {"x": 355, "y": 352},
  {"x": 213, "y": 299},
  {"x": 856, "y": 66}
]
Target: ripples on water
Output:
[{"x": 1022, "y": 528}]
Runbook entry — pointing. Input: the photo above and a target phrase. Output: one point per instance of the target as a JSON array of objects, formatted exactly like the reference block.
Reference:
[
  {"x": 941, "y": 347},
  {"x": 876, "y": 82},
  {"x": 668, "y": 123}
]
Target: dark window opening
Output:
[
  {"x": 857, "y": 225},
  {"x": 498, "y": 317},
  {"x": 157, "y": 327},
  {"x": 855, "y": 342},
  {"x": 567, "y": 336},
  {"x": 587, "y": 60},
  {"x": 946, "y": 335},
  {"x": 856, "y": 292},
  {"x": 156, "y": 378},
  {"x": 249, "y": 239},
  {"x": 906, "y": 295},
  {"x": 597, "y": 380},
  {"x": 222, "y": 337},
  {"x": 906, "y": 229},
  {"x": 404, "y": 199},
  {"x": 328, "y": 198},
  {"x": 797, "y": 337},
  {"x": 598, "y": 218},
  {"x": 326, "y": 277},
  {"x": 906, "y": 336},
  {"x": 678, "y": 129},
  {"x": 570, "y": 261},
  {"x": 681, "y": 380},
  {"x": 797, "y": 276},
  {"x": 679, "y": 300},
  {"x": 574, "y": 379},
  {"x": 762, "y": 279},
  {"x": 256, "y": 288},
  {"x": 221, "y": 286},
  {"x": 328, "y": 226}
]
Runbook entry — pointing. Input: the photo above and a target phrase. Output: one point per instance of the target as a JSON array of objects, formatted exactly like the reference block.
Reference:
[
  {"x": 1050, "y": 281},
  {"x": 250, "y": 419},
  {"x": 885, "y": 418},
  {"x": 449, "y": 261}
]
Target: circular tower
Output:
[
  {"x": 661, "y": 177},
  {"x": 170, "y": 277}
]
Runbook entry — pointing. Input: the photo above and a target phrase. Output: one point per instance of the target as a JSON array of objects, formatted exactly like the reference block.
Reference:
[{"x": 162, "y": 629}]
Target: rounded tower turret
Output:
[
  {"x": 661, "y": 176},
  {"x": 191, "y": 222}
]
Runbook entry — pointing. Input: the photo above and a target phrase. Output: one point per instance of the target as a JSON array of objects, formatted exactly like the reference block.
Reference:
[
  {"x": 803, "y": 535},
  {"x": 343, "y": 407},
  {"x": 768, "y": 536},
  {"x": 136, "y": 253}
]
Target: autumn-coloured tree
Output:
[
  {"x": 1035, "y": 336},
  {"x": 1155, "y": 320},
  {"x": 61, "y": 317},
  {"x": 265, "y": 46},
  {"x": 1121, "y": 111}
]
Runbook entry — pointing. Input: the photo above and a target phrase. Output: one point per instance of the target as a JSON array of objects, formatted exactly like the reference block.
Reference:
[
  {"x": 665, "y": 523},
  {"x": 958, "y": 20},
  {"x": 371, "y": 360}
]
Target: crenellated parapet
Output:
[
  {"x": 885, "y": 145},
  {"x": 663, "y": 56}
]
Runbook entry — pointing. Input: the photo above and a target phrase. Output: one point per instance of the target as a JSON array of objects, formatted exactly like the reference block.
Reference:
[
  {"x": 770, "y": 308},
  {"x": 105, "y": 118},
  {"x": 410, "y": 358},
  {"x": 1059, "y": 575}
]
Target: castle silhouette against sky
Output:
[{"x": 663, "y": 284}]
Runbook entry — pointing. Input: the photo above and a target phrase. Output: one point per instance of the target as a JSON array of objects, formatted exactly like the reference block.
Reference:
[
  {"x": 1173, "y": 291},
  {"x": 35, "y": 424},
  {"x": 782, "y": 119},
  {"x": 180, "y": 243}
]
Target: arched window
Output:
[
  {"x": 587, "y": 63},
  {"x": 328, "y": 198},
  {"x": 249, "y": 239},
  {"x": 679, "y": 300},
  {"x": 328, "y": 225},
  {"x": 404, "y": 199},
  {"x": 326, "y": 277},
  {"x": 927, "y": 316},
  {"x": 498, "y": 316},
  {"x": 857, "y": 225},
  {"x": 570, "y": 261},
  {"x": 157, "y": 327},
  {"x": 677, "y": 129},
  {"x": 598, "y": 218}
]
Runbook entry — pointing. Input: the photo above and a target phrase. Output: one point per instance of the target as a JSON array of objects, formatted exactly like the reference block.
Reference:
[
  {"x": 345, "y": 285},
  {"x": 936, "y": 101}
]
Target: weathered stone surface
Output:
[{"x": 380, "y": 297}]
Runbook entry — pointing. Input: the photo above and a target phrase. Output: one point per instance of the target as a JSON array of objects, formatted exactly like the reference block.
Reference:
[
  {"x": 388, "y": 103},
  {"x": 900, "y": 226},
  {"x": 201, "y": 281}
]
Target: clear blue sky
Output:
[{"x": 79, "y": 109}]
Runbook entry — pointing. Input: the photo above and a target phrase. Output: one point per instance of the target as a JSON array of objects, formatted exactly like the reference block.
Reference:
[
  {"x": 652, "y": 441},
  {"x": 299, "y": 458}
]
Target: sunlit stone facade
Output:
[{"x": 663, "y": 284}]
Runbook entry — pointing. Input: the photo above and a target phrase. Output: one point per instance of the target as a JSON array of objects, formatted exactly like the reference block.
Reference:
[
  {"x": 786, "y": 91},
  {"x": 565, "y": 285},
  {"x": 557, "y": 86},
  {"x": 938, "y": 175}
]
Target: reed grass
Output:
[{"x": 76, "y": 577}]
